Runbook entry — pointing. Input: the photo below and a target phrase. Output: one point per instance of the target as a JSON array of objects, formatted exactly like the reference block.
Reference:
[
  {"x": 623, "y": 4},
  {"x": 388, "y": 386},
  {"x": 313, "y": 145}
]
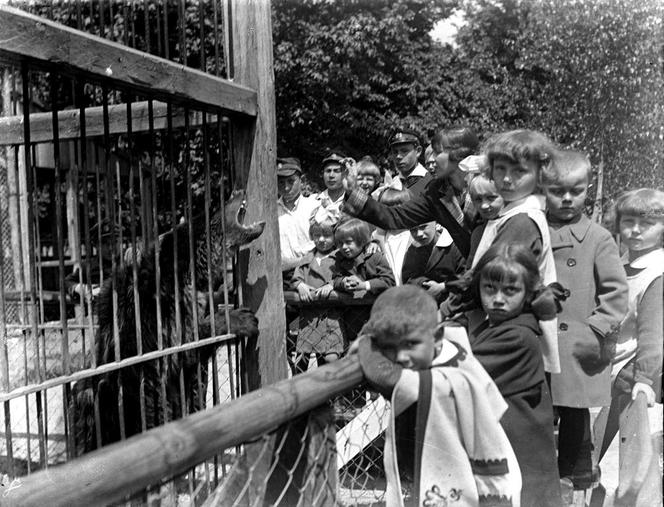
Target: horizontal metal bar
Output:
[
  {"x": 27, "y": 36},
  {"x": 109, "y": 367}
]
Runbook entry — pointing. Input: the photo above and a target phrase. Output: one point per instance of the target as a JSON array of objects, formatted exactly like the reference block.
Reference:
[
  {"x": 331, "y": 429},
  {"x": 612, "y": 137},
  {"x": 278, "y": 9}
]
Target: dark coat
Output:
[
  {"x": 510, "y": 352},
  {"x": 422, "y": 208},
  {"x": 588, "y": 265},
  {"x": 430, "y": 262},
  {"x": 372, "y": 268}
]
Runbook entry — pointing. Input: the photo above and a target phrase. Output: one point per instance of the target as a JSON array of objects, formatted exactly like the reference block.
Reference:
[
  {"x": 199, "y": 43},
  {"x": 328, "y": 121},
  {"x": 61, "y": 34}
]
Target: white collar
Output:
[
  {"x": 654, "y": 258},
  {"x": 445, "y": 239},
  {"x": 532, "y": 201},
  {"x": 418, "y": 170}
]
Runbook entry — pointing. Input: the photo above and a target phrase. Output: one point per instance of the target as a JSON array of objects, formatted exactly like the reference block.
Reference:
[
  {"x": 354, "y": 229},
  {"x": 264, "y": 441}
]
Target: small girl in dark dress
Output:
[{"x": 505, "y": 282}]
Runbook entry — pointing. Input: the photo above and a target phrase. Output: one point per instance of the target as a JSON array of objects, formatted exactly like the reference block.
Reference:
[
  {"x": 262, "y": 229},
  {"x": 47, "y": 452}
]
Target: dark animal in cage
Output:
[{"x": 171, "y": 388}]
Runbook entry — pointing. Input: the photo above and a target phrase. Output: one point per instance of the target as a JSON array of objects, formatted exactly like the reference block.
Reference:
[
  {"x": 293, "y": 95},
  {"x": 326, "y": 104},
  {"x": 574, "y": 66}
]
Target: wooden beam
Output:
[
  {"x": 27, "y": 36},
  {"x": 109, "y": 474},
  {"x": 254, "y": 149},
  {"x": 41, "y": 124}
]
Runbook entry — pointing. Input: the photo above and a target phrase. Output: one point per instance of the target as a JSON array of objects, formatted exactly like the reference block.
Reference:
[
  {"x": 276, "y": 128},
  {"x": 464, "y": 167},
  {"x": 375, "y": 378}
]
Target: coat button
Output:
[
  {"x": 563, "y": 326},
  {"x": 571, "y": 262}
]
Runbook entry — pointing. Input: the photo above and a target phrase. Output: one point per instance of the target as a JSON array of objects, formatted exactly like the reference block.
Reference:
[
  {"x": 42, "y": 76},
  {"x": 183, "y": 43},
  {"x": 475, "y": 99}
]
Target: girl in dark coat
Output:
[{"x": 507, "y": 345}]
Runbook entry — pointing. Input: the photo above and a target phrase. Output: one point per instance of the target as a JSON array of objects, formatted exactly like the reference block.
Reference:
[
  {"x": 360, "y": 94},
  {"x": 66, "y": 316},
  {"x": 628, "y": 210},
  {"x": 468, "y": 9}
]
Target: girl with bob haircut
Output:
[
  {"x": 368, "y": 175},
  {"x": 358, "y": 268},
  {"x": 637, "y": 368},
  {"x": 506, "y": 283}
]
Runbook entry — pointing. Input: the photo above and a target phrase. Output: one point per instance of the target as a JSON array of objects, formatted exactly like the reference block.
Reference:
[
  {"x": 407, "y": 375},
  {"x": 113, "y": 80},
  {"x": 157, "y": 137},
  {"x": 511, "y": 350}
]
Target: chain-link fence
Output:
[
  {"x": 279, "y": 445},
  {"x": 319, "y": 331}
]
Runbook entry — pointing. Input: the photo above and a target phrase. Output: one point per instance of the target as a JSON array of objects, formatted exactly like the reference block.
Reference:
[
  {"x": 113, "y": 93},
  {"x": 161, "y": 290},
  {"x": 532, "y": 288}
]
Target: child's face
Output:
[
  {"x": 323, "y": 239},
  {"x": 641, "y": 234},
  {"x": 488, "y": 203},
  {"x": 349, "y": 247},
  {"x": 404, "y": 156},
  {"x": 414, "y": 351},
  {"x": 514, "y": 180},
  {"x": 423, "y": 234},
  {"x": 333, "y": 175},
  {"x": 366, "y": 182},
  {"x": 502, "y": 300},
  {"x": 566, "y": 196}
]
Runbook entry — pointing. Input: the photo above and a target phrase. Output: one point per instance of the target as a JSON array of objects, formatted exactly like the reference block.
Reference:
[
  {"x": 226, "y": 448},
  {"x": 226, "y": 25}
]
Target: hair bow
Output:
[{"x": 474, "y": 164}]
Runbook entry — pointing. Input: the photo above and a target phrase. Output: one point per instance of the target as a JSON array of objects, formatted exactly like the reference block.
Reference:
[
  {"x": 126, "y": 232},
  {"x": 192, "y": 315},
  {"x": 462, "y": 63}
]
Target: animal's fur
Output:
[{"x": 158, "y": 382}]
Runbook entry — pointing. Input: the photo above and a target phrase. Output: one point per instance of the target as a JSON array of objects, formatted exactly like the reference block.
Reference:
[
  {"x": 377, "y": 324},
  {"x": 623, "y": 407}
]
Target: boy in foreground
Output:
[{"x": 461, "y": 453}]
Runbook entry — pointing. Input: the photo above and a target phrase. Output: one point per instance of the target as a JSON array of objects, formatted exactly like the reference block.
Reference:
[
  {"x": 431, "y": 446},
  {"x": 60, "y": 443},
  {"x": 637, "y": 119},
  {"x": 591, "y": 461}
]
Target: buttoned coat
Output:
[
  {"x": 588, "y": 266},
  {"x": 320, "y": 327}
]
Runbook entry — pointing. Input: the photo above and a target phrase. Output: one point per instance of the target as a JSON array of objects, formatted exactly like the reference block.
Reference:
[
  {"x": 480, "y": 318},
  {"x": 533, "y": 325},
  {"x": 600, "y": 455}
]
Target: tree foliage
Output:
[
  {"x": 587, "y": 72},
  {"x": 346, "y": 71}
]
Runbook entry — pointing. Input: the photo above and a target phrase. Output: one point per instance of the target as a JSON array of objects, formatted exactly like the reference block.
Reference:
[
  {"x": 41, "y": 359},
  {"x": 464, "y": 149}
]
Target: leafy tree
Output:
[
  {"x": 348, "y": 71},
  {"x": 587, "y": 72}
]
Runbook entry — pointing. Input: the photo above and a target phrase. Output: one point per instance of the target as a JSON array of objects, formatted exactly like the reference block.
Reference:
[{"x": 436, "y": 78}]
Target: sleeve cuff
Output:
[{"x": 355, "y": 202}]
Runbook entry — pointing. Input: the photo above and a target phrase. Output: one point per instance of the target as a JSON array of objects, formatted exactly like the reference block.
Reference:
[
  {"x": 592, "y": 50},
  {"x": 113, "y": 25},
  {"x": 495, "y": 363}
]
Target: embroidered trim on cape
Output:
[
  {"x": 494, "y": 501},
  {"x": 489, "y": 466}
]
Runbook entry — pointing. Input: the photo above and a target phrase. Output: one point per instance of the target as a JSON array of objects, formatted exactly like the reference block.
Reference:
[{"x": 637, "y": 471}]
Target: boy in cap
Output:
[
  {"x": 405, "y": 150},
  {"x": 295, "y": 214}
]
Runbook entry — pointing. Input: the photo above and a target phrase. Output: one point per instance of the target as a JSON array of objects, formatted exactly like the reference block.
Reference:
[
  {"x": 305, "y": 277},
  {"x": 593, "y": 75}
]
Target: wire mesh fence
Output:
[{"x": 280, "y": 445}]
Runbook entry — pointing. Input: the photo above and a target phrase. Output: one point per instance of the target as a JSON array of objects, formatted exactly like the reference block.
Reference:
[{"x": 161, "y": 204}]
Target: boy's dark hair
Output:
[
  {"x": 458, "y": 142},
  {"x": 518, "y": 145},
  {"x": 505, "y": 262},
  {"x": 565, "y": 161},
  {"x": 399, "y": 311},
  {"x": 354, "y": 228}
]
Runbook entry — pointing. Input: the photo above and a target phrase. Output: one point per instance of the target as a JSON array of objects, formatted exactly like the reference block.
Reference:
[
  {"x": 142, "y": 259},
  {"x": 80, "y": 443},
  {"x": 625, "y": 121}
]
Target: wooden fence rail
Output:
[{"x": 113, "y": 472}]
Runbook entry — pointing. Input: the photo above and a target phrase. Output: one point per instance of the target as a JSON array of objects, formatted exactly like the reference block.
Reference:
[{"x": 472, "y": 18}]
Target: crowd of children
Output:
[{"x": 561, "y": 317}]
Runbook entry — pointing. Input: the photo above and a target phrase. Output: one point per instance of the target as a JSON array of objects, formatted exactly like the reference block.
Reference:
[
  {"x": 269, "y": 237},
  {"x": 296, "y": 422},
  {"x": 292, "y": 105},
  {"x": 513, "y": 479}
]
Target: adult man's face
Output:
[
  {"x": 289, "y": 187},
  {"x": 404, "y": 157}
]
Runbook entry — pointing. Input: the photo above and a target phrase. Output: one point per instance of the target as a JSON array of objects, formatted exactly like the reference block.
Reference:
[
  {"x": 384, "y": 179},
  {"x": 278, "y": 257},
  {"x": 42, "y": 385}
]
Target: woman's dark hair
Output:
[
  {"x": 458, "y": 142},
  {"x": 505, "y": 263}
]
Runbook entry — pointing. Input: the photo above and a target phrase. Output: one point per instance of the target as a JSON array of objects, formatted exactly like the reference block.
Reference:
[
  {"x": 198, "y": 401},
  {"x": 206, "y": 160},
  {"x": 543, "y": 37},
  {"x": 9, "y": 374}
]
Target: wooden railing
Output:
[{"x": 115, "y": 471}]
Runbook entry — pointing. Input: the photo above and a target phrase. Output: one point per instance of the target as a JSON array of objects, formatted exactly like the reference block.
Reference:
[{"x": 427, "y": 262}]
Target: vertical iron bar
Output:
[
  {"x": 8, "y": 440},
  {"x": 215, "y": 15},
  {"x": 59, "y": 227},
  {"x": 201, "y": 22},
  {"x": 30, "y": 214},
  {"x": 146, "y": 23},
  {"x": 155, "y": 222},
  {"x": 114, "y": 241},
  {"x": 182, "y": 18},
  {"x": 134, "y": 261},
  {"x": 166, "y": 41},
  {"x": 40, "y": 429},
  {"x": 86, "y": 262}
]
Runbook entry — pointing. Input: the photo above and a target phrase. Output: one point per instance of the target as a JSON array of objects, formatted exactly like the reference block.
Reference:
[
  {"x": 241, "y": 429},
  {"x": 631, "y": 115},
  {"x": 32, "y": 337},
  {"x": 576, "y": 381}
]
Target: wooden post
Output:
[{"x": 254, "y": 150}]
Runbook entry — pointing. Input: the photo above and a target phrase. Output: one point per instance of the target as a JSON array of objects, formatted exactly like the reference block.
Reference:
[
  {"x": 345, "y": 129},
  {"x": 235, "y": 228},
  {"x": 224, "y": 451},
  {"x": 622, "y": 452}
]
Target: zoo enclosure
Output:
[{"x": 107, "y": 145}]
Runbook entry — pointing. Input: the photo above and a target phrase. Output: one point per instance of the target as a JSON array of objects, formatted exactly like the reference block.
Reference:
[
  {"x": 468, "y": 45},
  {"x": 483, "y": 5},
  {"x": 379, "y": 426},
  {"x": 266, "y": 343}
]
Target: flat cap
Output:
[
  {"x": 402, "y": 136},
  {"x": 288, "y": 166}
]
